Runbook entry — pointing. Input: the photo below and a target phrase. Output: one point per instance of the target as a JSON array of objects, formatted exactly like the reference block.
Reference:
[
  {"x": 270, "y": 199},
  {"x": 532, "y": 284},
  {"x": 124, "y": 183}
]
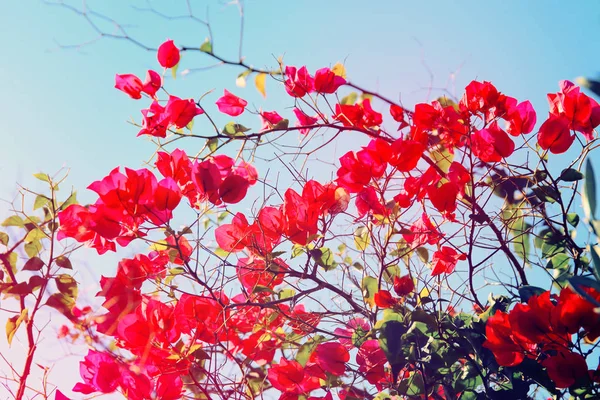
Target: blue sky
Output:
[{"x": 59, "y": 107}]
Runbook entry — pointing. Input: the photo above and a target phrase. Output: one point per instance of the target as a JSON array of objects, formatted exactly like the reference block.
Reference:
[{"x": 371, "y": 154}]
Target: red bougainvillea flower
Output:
[
  {"x": 100, "y": 373},
  {"x": 326, "y": 81},
  {"x": 303, "y": 322},
  {"x": 405, "y": 154},
  {"x": 230, "y": 104},
  {"x": 130, "y": 84},
  {"x": 168, "y": 54},
  {"x": 331, "y": 357},
  {"x": 555, "y": 135},
  {"x": 501, "y": 341},
  {"x": 298, "y": 82},
  {"x": 492, "y": 144},
  {"x": 533, "y": 322},
  {"x": 397, "y": 114},
  {"x": 582, "y": 112},
  {"x": 304, "y": 120},
  {"x": 403, "y": 285},
  {"x": 445, "y": 259},
  {"x": 574, "y": 312},
  {"x": 358, "y": 115},
  {"x": 566, "y": 368},
  {"x": 384, "y": 299}
]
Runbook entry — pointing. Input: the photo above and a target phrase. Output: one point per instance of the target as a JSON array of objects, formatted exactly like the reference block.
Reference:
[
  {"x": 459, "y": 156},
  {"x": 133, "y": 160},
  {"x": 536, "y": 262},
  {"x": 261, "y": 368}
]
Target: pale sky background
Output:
[{"x": 59, "y": 107}]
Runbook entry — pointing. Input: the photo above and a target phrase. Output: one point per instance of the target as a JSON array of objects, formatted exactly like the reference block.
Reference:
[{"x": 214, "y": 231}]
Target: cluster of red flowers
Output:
[
  {"x": 127, "y": 201},
  {"x": 541, "y": 329},
  {"x": 570, "y": 110},
  {"x": 164, "y": 339}
]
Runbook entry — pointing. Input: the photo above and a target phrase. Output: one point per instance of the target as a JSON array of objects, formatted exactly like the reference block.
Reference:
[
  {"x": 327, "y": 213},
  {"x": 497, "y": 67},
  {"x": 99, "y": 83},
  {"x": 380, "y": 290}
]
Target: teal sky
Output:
[{"x": 59, "y": 107}]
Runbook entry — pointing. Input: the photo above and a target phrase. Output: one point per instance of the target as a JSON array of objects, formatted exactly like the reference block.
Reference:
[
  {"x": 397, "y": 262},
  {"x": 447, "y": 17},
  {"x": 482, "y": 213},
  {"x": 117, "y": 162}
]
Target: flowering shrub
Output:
[{"x": 326, "y": 289}]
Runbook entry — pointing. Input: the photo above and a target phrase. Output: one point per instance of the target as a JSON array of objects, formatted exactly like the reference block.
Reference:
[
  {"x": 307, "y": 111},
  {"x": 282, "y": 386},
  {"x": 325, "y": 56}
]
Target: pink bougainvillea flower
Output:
[
  {"x": 130, "y": 84},
  {"x": 298, "y": 82},
  {"x": 168, "y": 54},
  {"x": 230, "y": 104},
  {"x": 100, "y": 373},
  {"x": 152, "y": 83},
  {"x": 445, "y": 259},
  {"x": 492, "y": 144},
  {"x": 371, "y": 360},
  {"x": 331, "y": 357},
  {"x": 326, "y": 81},
  {"x": 269, "y": 119},
  {"x": 181, "y": 112},
  {"x": 555, "y": 135},
  {"x": 422, "y": 232},
  {"x": 520, "y": 119},
  {"x": 304, "y": 120}
]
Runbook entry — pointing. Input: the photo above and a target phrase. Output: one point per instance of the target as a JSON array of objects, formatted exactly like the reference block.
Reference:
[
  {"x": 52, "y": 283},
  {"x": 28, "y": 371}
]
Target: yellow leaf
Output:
[
  {"x": 423, "y": 294},
  {"x": 339, "y": 70},
  {"x": 260, "y": 82}
]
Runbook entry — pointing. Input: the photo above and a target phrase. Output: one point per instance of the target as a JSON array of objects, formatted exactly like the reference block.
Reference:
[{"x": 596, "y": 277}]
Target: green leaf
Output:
[
  {"x": 570, "y": 175},
  {"x": 40, "y": 201},
  {"x": 282, "y": 125},
  {"x": 526, "y": 291},
  {"x": 595, "y": 262},
  {"x": 307, "y": 348},
  {"x": 546, "y": 193},
  {"x": 233, "y": 129},
  {"x": 588, "y": 195},
  {"x": 13, "y": 323},
  {"x": 206, "y": 47},
  {"x": 369, "y": 287},
  {"x": 212, "y": 144},
  {"x": 573, "y": 219},
  {"x": 33, "y": 264},
  {"x": 63, "y": 262},
  {"x": 42, "y": 177},
  {"x": 390, "y": 272},
  {"x": 72, "y": 199},
  {"x": 361, "y": 238},
  {"x": 14, "y": 220},
  {"x": 32, "y": 249},
  {"x": 423, "y": 254},
  {"x": 559, "y": 261},
  {"x": 443, "y": 158}
]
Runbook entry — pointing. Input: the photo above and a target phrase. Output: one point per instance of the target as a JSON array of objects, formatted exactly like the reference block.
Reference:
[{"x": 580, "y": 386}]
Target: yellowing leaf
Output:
[
  {"x": 339, "y": 70},
  {"x": 422, "y": 295},
  {"x": 13, "y": 324},
  {"x": 260, "y": 82},
  {"x": 361, "y": 238}
]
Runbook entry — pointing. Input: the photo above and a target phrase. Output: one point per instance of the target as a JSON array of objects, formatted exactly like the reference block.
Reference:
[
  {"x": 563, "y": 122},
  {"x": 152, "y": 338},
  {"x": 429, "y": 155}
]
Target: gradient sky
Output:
[{"x": 59, "y": 108}]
